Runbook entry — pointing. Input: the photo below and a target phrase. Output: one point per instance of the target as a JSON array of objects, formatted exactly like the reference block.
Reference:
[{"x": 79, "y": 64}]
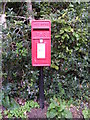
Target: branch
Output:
[
  {"x": 20, "y": 17},
  {"x": 4, "y": 7}
]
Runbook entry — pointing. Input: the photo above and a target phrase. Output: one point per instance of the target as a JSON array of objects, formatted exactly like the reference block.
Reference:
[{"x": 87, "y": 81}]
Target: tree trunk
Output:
[
  {"x": 30, "y": 11},
  {"x": 3, "y": 16}
]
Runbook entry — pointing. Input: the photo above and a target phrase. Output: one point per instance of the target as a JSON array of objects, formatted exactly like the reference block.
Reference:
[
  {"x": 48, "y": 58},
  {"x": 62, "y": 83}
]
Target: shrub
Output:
[{"x": 58, "y": 109}]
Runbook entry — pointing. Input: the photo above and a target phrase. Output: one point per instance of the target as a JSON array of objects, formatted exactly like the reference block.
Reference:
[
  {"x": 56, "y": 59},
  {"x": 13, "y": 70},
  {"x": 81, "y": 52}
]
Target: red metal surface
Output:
[{"x": 41, "y": 37}]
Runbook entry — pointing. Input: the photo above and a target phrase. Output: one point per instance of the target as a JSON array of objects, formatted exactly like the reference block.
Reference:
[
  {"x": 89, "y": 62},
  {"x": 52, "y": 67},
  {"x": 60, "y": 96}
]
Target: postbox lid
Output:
[{"x": 41, "y": 24}]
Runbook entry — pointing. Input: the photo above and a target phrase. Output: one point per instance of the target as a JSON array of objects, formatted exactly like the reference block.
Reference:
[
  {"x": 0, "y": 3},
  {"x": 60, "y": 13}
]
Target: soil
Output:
[
  {"x": 38, "y": 113},
  {"x": 76, "y": 113}
]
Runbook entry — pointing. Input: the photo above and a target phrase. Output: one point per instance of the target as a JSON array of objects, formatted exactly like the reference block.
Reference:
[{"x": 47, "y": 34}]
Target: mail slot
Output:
[{"x": 41, "y": 42}]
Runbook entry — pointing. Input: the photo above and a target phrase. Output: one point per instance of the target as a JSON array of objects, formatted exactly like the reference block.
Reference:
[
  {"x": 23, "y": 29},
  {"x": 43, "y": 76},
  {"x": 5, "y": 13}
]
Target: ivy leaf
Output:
[
  {"x": 77, "y": 48},
  {"x": 54, "y": 66},
  {"x": 75, "y": 34},
  {"x": 57, "y": 36},
  {"x": 71, "y": 6},
  {"x": 61, "y": 31}
]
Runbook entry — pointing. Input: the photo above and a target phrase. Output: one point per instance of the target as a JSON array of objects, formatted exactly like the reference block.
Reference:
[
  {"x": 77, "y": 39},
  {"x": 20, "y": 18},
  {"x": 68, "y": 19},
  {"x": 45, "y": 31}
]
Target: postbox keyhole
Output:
[{"x": 41, "y": 40}]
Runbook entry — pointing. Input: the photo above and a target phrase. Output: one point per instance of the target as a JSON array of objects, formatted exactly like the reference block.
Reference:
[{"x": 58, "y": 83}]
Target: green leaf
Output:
[
  {"x": 61, "y": 31},
  {"x": 57, "y": 36},
  {"x": 76, "y": 48},
  {"x": 86, "y": 113},
  {"x": 14, "y": 104},
  {"x": 52, "y": 105},
  {"x": 54, "y": 66},
  {"x": 75, "y": 34},
  {"x": 71, "y": 5},
  {"x": 6, "y": 102},
  {"x": 65, "y": 36},
  {"x": 52, "y": 114},
  {"x": 68, "y": 114}
]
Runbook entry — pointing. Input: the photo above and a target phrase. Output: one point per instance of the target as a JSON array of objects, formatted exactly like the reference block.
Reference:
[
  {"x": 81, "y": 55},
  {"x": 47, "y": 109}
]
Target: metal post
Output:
[{"x": 41, "y": 89}]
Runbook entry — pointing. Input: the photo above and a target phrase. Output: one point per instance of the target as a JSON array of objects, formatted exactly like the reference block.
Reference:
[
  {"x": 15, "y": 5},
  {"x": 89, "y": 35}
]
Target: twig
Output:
[
  {"x": 20, "y": 8},
  {"x": 20, "y": 17}
]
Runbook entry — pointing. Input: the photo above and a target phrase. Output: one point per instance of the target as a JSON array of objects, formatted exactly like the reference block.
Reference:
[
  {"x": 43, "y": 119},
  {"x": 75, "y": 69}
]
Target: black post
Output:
[{"x": 41, "y": 89}]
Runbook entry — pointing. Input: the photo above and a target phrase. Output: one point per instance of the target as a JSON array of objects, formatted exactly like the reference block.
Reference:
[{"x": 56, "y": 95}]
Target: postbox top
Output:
[{"x": 41, "y": 24}]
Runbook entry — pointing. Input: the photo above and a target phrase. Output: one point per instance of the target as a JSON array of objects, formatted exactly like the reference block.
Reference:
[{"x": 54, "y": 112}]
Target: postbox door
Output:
[{"x": 41, "y": 53}]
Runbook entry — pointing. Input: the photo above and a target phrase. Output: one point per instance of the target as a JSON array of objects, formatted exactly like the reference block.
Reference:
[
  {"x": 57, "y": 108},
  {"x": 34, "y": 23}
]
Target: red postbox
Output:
[{"x": 41, "y": 42}]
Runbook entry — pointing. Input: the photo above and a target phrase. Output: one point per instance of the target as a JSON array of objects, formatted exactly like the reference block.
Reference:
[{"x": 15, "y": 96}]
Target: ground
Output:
[
  {"x": 37, "y": 113},
  {"x": 41, "y": 113}
]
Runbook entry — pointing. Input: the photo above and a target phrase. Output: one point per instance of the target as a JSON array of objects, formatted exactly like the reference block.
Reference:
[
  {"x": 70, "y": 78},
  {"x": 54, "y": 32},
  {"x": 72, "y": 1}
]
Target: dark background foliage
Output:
[{"x": 68, "y": 75}]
